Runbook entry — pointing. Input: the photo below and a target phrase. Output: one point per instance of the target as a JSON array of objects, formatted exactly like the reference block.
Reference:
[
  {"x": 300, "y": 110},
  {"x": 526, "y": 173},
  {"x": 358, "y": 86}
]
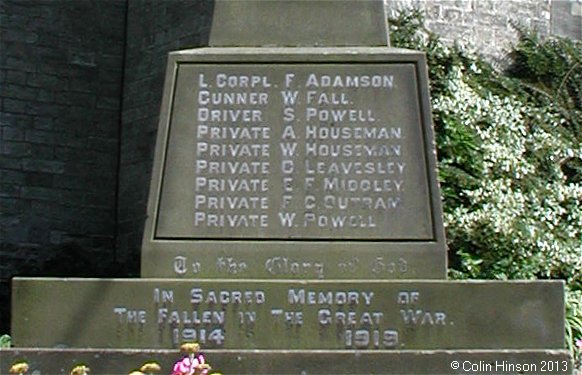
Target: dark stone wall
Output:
[
  {"x": 61, "y": 65},
  {"x": 154, "y": 29},
  {"x": 71, "y": 73}
]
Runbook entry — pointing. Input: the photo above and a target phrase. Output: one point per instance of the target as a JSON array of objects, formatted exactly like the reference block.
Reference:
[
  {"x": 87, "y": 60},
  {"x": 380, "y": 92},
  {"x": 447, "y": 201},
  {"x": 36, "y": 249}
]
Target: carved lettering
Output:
[
  {"x": 340, "y": 298},
  {"x": 302, "y": 152},
  {"x": 225, "y": 297}
]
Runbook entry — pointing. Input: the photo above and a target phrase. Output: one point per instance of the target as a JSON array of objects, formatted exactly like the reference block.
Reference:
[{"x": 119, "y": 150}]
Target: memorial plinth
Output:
[
  {"x": 316, "y": 315},
  {"x": 294, "y": 222},
  {"x": 295, "y": 163}
]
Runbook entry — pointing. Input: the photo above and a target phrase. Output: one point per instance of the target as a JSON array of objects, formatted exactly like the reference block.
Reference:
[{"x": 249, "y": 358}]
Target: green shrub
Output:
[
  {"x": 574, "y": 323},
  {"x": 5, "y": 341},
  {"x": 509, "y": 148}
]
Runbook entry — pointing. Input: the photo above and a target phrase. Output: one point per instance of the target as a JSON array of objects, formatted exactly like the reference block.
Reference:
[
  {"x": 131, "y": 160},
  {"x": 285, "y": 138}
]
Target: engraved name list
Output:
[{"x": 310, "y": 151}]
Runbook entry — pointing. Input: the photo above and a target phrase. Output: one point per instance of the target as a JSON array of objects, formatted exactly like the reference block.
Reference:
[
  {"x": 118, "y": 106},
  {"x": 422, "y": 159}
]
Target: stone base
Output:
[
  {"x": 60, "y": 361},
  {"x": 288, "y": 315}
]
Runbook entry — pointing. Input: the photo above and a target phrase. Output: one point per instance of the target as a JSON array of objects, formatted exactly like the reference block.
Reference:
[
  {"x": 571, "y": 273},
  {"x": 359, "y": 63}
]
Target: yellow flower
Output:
[
  {"x": 190, "y": 347},
  {"x": 80, "y": 370},
  {"x": 201, "y": 367},
  {"x": 136, "y": 372},
  {"x": 150, "y": 367},
  {"x": 19, "y": 368}
]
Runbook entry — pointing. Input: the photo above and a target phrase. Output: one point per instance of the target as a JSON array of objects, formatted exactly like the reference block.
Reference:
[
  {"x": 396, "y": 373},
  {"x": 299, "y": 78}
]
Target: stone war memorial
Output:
[{"x": 294, "y": 222}]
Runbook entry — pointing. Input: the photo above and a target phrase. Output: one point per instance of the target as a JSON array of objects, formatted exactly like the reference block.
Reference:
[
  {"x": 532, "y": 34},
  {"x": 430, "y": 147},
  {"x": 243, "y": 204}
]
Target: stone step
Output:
[
  {"x": 314, "y": 315},
  {"x": 281, "y": 362}
]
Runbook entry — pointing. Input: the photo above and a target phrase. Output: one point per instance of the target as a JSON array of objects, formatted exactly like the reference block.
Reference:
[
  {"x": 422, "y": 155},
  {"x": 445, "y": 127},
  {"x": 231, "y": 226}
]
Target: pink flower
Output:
[
  {"x": 579, "y": 343},
  {"x": 189, "y": 365}
]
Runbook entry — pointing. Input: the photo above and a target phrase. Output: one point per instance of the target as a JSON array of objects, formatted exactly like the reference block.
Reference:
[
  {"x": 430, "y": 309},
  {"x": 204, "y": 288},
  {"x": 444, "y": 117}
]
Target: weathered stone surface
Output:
[
  {"x": 281, "y": 362},
  {"x": 320, "y": 156},
  {"x": 294, "y": 23},
  {"x": 117, "y": 313}
]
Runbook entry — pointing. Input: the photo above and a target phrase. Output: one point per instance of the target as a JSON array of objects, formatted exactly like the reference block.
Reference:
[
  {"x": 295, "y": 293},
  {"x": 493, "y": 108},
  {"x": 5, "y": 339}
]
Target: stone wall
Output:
[
  {"x": 484, "y": 26},
  {"x": 60, "y": 88},
  {"x": 566, "y": 19},
  {"x": 154, "y": 29}
]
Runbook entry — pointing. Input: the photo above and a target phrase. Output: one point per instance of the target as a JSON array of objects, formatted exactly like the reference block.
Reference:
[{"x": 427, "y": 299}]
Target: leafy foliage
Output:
[
  {"x": 554, "y": 67},
  {"x": 509, "y": 148},
  {"x": 5, "y": 341},
  {"x": 574, "y": 323}
]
